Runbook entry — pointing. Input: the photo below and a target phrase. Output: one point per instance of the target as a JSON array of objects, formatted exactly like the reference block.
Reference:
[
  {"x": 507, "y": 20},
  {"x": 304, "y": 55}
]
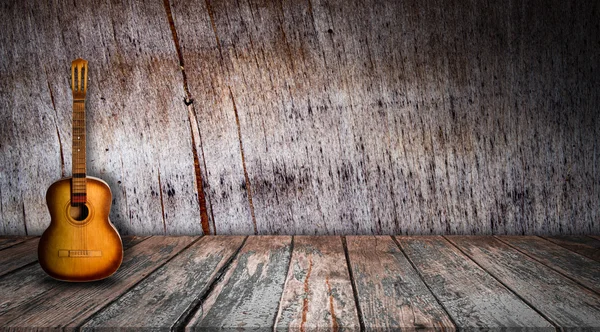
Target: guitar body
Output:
[{"x": 80, "y": 244}]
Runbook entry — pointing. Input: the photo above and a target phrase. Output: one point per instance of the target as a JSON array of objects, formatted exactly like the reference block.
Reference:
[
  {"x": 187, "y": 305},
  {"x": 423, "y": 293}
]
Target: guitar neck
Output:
[{"x": 78, "y": 191}]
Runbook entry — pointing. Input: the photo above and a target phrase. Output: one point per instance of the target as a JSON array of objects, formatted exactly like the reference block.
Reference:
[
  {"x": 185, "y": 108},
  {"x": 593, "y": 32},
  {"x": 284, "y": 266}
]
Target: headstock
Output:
[{"x": 79, "y": 73}]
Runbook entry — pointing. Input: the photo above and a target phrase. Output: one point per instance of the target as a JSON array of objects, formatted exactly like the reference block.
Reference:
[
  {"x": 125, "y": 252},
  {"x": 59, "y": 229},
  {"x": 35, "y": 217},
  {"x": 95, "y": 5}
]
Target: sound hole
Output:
[{"x": 79, "y": 212}]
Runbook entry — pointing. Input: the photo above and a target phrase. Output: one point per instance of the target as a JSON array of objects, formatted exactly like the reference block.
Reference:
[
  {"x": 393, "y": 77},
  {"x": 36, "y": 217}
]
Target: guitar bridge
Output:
[{"x": 79, "y": 253}]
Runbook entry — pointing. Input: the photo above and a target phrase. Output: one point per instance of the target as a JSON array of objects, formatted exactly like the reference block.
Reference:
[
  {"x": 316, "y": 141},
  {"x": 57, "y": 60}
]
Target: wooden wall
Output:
[{"x": 310, "y": 116}]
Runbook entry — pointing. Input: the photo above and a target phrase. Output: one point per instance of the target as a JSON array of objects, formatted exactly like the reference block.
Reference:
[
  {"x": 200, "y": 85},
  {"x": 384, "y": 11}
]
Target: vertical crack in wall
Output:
[
  {"x": 194, "y": 131},
  {"x": 247, "y": 179},
  {"x": 62, "y": 156},
  {"x": 24, "y": 219},
  {"x": 162, "y": 204},
  {"x": 214, "y": 26},
  {"x": 124, "y": 191}
]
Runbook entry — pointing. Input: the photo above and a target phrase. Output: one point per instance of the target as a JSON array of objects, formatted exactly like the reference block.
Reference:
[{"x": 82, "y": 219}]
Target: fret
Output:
[{"x": 78, "y": 180}]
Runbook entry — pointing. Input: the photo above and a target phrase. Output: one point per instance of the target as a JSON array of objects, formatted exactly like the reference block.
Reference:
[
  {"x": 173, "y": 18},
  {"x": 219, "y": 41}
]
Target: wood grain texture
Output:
[
  {"x": 72, "y": 303},
  {"x": 382, "y": 109},
  {"x": 247, "y": 296},
  {"x": 170, "y": 293},
  {"x": 138, "y": 133},
  {"x": 583, "y": 245},
  {"x": 565, "y": 303},
  {"x": 310, "y": 117},
  {"x": 318, "y": 291},
  {"x": 9, "y": 241},
  {"x": 18, "y": 256},
  {"x": 25, "y": 284},
  {"x": 471, "y": 296},
  {"x": 584, "y": 270},
  {"x": 391, "y": 294}
]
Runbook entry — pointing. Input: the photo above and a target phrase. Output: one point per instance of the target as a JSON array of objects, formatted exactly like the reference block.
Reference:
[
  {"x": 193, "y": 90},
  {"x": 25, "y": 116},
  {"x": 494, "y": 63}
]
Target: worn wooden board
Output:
[
  {"x": 207, "y": 78},
  {"x": 584, "y": 270},
  {"x": 386, "y": 108},
  {"x": 18, "y": 256},
  {"x": 470, "y": 295},
  {"x": 583, "y": 245},
  {"x": 558, "y": 298},
  {"x": 74, "y": 303},
  {"x": 30, "y": 148},
  {"x": 9, "y": 241},
  {"x": 309, "y": 117},
  {"x": 248, "y": 294},
  {"x": 391, "y": 294},
  {"x": 20, "y": 286},
  {"x": 170, "y": 293},
  {"x": 137, "y": 123},
  {"x": 318, "y": 292},
  {"x": 132, "y": 240}
]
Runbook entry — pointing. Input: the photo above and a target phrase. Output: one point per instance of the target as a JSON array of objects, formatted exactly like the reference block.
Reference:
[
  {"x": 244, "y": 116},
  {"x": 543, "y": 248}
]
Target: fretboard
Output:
[{"x": 78, "y": 188}]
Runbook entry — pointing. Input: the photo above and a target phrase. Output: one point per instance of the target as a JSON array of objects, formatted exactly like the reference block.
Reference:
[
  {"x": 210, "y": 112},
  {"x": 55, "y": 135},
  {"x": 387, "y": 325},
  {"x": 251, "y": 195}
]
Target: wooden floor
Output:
[{"x": 307, "y": 283}]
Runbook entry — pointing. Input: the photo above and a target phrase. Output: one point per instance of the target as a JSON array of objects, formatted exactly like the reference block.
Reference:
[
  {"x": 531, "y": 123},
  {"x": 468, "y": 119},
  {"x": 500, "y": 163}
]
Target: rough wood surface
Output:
[
  {"x": 318, "y": 292},
  {"x": 390, "y": 292},
  {"x": 582, "y": 269},
  {"x": 561, "y": 300},
  {"x": 18, "y": 256},
  {"x": 171, "y": 292},
  {"x": 137, "y": 124},
  {"x": 395, "y": 117},
  {"x": 309, "y": 117},
  {"x": 72, "y": 303},
  {"x": 9, "y": 241},
  {"x": 247, "y": 296},
  {"x": 21, "y": 286},
  {"x": 166, "y": 283},
  {"x": 471, "y": 296},
  {"x": 583, "y": 245}
]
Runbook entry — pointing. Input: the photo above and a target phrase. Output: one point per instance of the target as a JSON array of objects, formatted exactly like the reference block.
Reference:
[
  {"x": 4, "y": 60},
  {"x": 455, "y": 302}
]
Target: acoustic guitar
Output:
[{"x": 80, "y": 244}]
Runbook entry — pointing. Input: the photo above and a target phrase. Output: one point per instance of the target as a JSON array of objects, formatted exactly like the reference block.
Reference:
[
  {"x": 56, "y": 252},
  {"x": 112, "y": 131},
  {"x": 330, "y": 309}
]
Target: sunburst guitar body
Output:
[{"x": 80, "y": 244}]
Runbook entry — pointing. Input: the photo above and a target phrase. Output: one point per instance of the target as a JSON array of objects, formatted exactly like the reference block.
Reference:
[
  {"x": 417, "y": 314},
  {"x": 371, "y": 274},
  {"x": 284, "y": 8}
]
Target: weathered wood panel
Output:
[
  {"x": 247, "y": 296},
  {"x": 73, "y": 303},
  {"x": 29, "y": 146},
  {"x": 23, "y": 285},
  {"x": 138, "y": 130},
  {"x": 18, "y": 256},
  {"x": 471, "y": 296},
  {"x": 457, "y": 115},
  {"x": 583, "y": 245},
  {"x": 310, "y": 117},
  {"x": 564, "y": 302},
  {"x": 6, "y": 242},
  {"x": 169, "y": 294},
  {"x": 583, "y": 270},
  {"x": 390, "y": 292},
  {"x": 318, "y": 292}
]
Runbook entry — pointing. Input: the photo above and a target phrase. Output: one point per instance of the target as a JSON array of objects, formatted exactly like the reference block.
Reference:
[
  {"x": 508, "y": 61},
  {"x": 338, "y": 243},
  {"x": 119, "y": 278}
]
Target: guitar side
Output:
[{"x": 86, "y": 250}]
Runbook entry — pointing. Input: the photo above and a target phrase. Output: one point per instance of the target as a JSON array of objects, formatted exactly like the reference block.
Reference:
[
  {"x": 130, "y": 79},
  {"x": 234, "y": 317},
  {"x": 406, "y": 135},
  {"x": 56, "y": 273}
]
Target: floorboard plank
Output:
[
  {"x": 171, "y": 292},
  {"x": 584, "y": 245},
  {"x": 20, "y": 286},
  {"x": 566, "y": 303},
  {"x": 391, "y": 294},
  {"x": 582, "y": 269},
  {"x": 318, "y": 291},
  {"x": 73, "y": 303},
  {"x": 131, "y": 240},
  {"x": 472, "y": 297},
  {"x": 8, "y": 241},
  {"x": 18, "y": 256},
  {"x": 248, "y": 295}
]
